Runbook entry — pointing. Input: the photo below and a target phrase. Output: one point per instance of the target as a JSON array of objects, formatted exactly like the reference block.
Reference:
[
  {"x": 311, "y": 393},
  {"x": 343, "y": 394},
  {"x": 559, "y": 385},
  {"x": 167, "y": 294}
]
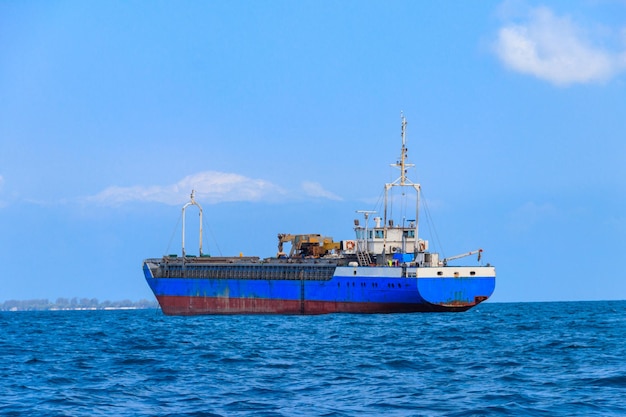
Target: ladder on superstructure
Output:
[{"x": 364, "y": 258}]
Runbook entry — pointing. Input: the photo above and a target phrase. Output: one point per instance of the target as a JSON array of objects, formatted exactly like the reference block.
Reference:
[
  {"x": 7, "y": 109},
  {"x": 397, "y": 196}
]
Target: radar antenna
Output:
[{"x": 402, "y": 181}]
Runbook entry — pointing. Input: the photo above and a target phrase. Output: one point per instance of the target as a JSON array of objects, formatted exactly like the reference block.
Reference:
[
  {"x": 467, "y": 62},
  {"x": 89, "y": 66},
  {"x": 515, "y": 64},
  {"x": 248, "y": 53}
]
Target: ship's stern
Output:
[{"x": 456, "y": 288}]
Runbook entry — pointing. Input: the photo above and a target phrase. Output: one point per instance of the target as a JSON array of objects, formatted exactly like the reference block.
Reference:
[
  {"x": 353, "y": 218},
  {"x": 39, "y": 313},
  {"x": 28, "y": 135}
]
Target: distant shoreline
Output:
[{"x": 75, "y": 304}]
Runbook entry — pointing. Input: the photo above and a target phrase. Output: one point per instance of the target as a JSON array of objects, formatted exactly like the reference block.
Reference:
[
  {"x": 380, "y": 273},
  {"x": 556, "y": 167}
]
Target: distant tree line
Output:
[{"x": 74, "y": 304}]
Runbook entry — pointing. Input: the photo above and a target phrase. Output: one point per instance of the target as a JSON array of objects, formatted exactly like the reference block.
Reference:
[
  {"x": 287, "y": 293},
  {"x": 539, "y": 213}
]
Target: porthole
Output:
[
  {"x": 439, "y": 273},
  {"x": 472, "y": 272}
]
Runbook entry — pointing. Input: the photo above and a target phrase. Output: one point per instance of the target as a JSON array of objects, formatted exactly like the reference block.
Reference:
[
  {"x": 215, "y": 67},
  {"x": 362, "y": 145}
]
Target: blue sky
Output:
[{"x": 284, "y": 117}]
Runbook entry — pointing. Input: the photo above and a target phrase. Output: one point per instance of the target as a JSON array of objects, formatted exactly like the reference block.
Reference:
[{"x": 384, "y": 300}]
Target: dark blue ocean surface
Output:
[{"x": 539, "y": 359}]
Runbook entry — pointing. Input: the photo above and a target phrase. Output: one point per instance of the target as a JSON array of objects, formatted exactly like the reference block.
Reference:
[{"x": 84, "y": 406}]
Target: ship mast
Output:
[
  {"x": 402, "y": 181},
  {"x": 193, "y": 202}
]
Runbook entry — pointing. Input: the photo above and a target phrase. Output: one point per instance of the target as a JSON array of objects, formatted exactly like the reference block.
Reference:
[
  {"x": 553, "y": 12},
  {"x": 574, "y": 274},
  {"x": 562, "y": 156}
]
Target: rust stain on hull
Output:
[{"x": 173, "y": 305}]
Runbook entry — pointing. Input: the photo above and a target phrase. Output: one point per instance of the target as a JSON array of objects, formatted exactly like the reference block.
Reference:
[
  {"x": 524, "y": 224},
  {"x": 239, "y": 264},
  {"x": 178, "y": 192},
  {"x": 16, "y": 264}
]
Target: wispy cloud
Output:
[
  {"x": 528, "y": 215},
  {"x": 2, "y": 203},
  {"x": 556, "y": 49},
  {"x": 314, "y": 189},
  {"x": 211, "y": 187}
]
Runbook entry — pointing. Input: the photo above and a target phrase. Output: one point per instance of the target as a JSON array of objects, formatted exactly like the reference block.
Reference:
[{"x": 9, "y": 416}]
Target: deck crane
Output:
[
  {"x": 463, "y": 255},
  {"x": 307, "y": 245}
]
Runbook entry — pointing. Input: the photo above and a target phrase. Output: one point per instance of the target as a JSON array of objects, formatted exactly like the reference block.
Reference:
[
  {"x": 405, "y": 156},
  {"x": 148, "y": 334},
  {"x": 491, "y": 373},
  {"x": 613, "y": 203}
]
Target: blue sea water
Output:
[{"x": 499, "y": 359}]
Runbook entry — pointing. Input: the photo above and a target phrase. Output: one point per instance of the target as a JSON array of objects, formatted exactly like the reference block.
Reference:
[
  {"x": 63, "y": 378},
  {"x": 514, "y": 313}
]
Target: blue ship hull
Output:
[{"x": 349, "y": 290}]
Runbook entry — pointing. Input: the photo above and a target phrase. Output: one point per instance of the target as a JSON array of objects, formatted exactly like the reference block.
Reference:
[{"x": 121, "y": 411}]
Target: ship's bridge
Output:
[{"x": 390, "y": 239}]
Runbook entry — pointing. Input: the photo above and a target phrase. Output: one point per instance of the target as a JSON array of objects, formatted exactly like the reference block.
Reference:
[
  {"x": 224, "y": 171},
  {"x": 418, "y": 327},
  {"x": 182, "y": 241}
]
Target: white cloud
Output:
[
  {"x": 315, "y": 189},
  {"x": 528, "y": 215},
  {"x": 556, "y": 49},
  {"x": 211, "y": 187}
]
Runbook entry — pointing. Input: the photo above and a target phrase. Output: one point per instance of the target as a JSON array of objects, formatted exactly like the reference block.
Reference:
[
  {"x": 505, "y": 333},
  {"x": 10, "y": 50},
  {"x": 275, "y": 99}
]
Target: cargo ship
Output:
[{"x": 384, "y": 268}]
